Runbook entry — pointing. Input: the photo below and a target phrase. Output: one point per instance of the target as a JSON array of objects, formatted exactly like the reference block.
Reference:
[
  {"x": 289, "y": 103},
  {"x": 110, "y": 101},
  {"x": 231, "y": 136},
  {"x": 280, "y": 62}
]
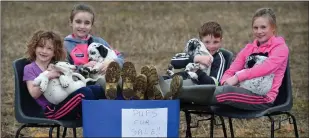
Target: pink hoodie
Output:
[{"x": 275, "y": 63}]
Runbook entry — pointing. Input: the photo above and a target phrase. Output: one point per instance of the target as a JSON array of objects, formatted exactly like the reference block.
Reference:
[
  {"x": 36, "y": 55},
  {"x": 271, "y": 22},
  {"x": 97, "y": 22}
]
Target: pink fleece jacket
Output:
[{"x": 275, "y": 63}]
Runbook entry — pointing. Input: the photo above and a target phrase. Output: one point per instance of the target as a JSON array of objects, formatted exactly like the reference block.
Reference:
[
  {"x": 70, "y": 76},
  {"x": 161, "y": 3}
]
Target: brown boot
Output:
[
  {"x": 112, "y": 77},
  {"x": 128, "y": 78},
  {"x": 153, "y": 88},
  {"x": 140, "y": 86},
  {"x": 145, "y": 71},
  {"x": 175, "y": 87}
]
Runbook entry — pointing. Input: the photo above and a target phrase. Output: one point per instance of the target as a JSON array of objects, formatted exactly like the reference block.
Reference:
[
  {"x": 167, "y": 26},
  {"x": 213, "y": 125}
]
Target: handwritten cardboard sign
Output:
[{"x": 144, "y": 122}]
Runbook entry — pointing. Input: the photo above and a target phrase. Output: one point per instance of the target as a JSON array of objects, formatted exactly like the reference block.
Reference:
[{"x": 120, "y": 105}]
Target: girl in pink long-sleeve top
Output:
[{"x": 264, "y": 27}]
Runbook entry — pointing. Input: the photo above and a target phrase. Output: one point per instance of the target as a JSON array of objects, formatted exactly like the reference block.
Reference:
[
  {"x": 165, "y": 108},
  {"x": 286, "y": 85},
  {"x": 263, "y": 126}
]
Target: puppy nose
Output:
[{"x": 90, "y": 59}]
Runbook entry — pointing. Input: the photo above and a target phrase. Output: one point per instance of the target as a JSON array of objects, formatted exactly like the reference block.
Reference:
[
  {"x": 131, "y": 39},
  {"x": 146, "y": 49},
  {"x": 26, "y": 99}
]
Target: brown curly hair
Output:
[
  {"x": 210, "y": 28},
  {"x": 39, "y": 38}
]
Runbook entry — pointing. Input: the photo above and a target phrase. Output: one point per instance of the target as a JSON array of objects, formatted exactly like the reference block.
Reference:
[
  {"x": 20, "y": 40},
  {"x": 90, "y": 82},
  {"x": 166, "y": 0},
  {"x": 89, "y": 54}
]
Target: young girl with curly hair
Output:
[{"x": 44, "y": 48}]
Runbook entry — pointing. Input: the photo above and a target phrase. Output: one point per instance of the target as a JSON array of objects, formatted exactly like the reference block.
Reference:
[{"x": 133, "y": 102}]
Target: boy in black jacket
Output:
[{"x": 210, "y": 35}]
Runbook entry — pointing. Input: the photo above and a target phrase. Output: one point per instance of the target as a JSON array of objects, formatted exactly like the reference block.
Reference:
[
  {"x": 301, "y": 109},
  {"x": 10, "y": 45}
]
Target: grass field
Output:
[{"x": 151, "y": 33}]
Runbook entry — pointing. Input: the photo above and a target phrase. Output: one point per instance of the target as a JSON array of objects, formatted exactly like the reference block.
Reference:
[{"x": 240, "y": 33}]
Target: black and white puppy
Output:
[
  {"x": 193, "y": 48},
  {"x": 99, "y": 53},
  {"x": 259, "y": 85}
]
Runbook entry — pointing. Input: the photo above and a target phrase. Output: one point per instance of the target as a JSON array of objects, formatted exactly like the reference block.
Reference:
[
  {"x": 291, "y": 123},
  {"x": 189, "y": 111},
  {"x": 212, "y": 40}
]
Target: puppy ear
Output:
[
  {"x": 102, "y": 50},
  {"x": 251, "y": 62},
  {"x": 192, "y": 46}
]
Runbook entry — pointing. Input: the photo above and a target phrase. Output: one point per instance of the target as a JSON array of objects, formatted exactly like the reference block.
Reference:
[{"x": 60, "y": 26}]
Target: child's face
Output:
[
  {"x": 81, "y": 24},
  {"x": 212, "y": 43},
  {"x": 45, "y": 52},
  {"x": 262, "y": 29}
]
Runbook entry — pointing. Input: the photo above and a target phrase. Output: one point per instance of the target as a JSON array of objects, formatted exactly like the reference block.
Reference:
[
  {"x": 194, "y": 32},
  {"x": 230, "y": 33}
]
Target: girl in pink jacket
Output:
[
  {"x": 264, "y": 27},
  {"x": 264, "y": 30}
]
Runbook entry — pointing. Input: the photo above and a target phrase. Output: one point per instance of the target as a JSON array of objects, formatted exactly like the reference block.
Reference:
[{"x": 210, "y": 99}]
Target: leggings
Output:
[
  {"x": 71, "y": 107},
  {"x": 240, "y": 98}
]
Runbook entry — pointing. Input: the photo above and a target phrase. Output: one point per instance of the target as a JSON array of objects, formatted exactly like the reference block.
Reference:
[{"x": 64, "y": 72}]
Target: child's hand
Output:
[
  {"x": 232, "y": 81},
  {"x": 90, "y": 64},
  {"x": 205, "y": 60}
]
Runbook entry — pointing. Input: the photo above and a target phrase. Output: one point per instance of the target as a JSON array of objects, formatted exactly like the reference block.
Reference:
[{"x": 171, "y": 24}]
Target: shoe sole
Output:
[
  {"x": 112, "y": 77},
  {"x": 140, "y": 86},
  {"x": 128, "y": 77},
  {"x": 175, "y": 88},
  {"x": 145, "y": 71},
  {"x": 153, "y": 82},
  {"x": 157, "y": 93}
]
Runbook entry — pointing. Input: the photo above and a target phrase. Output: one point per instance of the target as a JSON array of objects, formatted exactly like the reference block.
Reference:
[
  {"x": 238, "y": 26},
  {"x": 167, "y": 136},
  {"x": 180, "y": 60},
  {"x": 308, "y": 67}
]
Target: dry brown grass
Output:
[{"x": 150, "y": 33}]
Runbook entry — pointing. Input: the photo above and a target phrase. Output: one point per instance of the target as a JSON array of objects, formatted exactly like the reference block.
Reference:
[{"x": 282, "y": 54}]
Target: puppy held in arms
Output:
[
  {"x": 99, "y": 53},
  {"x": 258, "y": 85},
  {"x": 193, "y": 48},
  {"x": 57, "y": 89}
]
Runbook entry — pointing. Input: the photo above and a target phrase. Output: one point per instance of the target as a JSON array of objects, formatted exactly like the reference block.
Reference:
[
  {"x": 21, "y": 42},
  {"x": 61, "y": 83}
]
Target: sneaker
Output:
[
  {"x": 112, "y": 77},
  {"x": 140, "y": 86},
  {"x": 176, "y": 85},
  {"x": 128, "y": 77}
]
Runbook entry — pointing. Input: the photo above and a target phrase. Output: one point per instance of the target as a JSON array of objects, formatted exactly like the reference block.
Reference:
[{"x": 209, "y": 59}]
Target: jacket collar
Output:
[{"x": 266, "y": 44}]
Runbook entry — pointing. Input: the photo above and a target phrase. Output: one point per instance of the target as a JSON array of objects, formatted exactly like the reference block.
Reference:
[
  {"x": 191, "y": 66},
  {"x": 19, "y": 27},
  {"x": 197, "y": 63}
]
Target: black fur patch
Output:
[
  {"x": 252, "y": 58},
  {"x": 103, "y": 51}
]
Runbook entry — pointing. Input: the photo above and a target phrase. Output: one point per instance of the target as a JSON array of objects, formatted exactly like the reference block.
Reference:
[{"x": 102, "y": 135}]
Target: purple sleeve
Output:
[{"x": 29, "y": 73}]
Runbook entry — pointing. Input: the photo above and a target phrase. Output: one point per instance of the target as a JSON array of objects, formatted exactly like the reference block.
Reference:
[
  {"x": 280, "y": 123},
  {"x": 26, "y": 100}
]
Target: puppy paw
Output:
[
  {"x": 42, "y": 82},
  {"x": 170, "y": 72},
  {"x": 190, "y": 67},
  {"x": 193, "y": 75},
  {"x": 43, "y": 85},
  {"x": 63, "y": 81},
  {"x": 83, "y": 71}
]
